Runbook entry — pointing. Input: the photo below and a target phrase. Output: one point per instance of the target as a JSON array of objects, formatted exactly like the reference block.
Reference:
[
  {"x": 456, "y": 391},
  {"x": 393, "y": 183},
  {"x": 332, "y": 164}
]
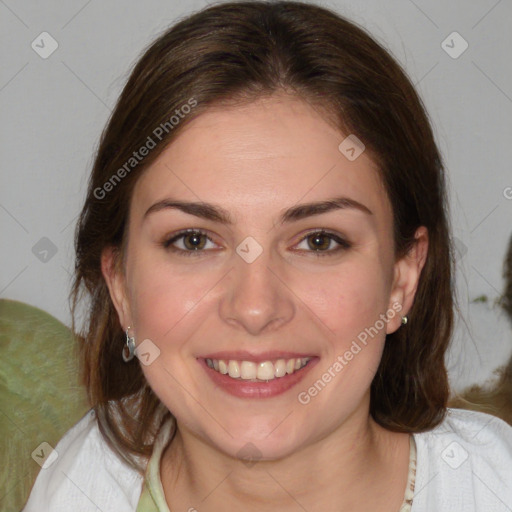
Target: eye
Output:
[
  {"x": 320, "y": 242},
  {"x": 192, "y": 242}
]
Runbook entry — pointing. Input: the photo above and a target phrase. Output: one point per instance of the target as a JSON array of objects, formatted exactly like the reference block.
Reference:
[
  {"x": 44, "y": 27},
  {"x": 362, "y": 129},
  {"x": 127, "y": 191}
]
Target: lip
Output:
[
  {"x": 244, "y": 355},
  {"x": 246, "y": 389}
]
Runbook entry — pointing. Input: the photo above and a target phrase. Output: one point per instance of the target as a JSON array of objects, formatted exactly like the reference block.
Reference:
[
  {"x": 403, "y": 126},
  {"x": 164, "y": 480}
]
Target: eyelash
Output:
[{"x": 342, "y": 244}]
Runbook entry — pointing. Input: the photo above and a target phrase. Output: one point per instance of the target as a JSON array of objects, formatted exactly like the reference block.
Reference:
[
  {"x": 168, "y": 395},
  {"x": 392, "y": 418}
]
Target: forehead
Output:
[{"x": 275, "y": 151}]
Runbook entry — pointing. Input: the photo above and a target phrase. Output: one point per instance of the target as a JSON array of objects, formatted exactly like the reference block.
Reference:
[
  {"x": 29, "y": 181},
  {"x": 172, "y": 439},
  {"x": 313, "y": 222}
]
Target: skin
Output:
[{"x": 256, "y": 161}]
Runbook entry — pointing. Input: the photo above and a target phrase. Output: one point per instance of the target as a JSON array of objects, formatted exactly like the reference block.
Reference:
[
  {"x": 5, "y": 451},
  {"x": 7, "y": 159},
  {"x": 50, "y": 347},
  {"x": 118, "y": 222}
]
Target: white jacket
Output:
[{"x": 463, "y": 465}]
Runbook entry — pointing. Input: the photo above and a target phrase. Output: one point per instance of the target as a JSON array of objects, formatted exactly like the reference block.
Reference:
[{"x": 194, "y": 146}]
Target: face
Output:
[{"x": 272, "y": 284}]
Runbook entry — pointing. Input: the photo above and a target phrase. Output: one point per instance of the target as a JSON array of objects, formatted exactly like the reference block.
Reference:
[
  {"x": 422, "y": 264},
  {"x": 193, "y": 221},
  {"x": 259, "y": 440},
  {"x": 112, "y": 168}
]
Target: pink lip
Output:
[
  {"x": 246, "y": 389},
  {"x": 244, "y": 355}
]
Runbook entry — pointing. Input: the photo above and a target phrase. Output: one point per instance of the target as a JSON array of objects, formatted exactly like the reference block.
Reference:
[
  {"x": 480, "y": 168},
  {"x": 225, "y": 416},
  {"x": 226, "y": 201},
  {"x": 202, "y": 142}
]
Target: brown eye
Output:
[
  {"x": 321, "y": 242},
  {"x": 187, "y": 243},
  {"x": 194, "y": 241}
]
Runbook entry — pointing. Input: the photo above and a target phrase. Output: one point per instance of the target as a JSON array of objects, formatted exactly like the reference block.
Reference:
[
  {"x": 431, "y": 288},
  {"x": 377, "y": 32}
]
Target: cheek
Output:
[
  {"x": 350, "y": 304},
  {"x": 166, "y": 309},
  {"x": 161, "y": 300},
  {"x": 347, "y": 301}
]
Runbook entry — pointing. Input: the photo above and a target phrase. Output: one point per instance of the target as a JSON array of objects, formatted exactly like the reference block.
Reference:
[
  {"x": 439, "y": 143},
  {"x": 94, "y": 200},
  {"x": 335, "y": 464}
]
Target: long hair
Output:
[{"x": 239, "y": 52}]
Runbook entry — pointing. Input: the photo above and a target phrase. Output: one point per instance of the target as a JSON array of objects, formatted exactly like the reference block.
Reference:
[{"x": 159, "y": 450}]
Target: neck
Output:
[{"x": 359, "y": 466}]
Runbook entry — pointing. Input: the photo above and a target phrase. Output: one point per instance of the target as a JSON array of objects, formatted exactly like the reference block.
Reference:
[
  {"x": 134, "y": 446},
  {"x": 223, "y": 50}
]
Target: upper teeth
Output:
[{"x": 265, "y": 370}]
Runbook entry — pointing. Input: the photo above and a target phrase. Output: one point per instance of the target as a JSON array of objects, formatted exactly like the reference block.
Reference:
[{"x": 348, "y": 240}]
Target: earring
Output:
[
  {"x": 130, "y": 345},
  {"x": 404, "y": 320}
]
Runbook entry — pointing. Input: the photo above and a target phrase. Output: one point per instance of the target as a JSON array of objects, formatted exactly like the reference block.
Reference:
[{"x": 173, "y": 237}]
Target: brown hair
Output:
[{"x": 242, "y": 51}]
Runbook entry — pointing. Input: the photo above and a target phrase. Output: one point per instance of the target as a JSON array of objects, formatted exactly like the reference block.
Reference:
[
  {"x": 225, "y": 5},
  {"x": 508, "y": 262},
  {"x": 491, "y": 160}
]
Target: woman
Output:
[{"x": 265, "y": 247}]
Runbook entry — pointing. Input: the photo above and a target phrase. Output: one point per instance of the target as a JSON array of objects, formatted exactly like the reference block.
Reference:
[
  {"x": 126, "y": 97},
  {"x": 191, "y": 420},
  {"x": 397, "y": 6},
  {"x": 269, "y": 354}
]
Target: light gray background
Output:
[{"x": 54, "y": 110}]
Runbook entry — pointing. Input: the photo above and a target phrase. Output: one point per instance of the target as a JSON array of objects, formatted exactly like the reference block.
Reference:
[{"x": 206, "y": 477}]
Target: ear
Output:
[
  {"x": 407, "y": 273},
  {"x": 116, "y": 283}
]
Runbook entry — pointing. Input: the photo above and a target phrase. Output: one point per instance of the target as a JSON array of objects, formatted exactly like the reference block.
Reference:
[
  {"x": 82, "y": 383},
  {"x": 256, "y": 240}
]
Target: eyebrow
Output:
[{"x": 218, "y": 214}]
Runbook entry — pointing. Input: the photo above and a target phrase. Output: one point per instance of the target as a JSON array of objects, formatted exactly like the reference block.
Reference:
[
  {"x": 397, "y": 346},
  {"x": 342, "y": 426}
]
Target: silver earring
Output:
[
  {"x": 130, "y": 345},
  {"x": 404, "y": 320}
]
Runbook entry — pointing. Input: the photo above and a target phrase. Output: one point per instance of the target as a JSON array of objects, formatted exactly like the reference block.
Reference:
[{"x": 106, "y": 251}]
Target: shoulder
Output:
[
  {"x": 465, "y": 462},
  {"x": 481, "y": 434},
  {"x": 81, "y": 472}
]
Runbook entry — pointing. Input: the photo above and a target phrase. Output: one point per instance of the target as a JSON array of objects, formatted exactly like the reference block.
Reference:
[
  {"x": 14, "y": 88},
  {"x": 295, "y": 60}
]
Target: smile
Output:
[
  {"x": 257, "y": 372},
  {"x": 265, "y": 378}
]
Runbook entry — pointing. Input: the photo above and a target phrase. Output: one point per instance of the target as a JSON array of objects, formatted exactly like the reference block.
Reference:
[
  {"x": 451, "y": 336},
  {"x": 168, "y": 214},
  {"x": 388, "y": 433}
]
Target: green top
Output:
[{"x": 152, "y": 498}]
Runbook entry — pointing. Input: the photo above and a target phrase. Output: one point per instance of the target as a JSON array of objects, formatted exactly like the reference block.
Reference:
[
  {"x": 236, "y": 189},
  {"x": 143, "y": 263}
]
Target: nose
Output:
[{"x": 256, "y": 297}]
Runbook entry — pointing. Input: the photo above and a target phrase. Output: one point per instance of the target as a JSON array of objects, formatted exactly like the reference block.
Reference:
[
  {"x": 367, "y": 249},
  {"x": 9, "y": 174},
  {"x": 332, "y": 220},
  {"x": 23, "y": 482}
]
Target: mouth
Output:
[
  {"x": 262, "y": 371},
  {"x": 255, "y": 377}
]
